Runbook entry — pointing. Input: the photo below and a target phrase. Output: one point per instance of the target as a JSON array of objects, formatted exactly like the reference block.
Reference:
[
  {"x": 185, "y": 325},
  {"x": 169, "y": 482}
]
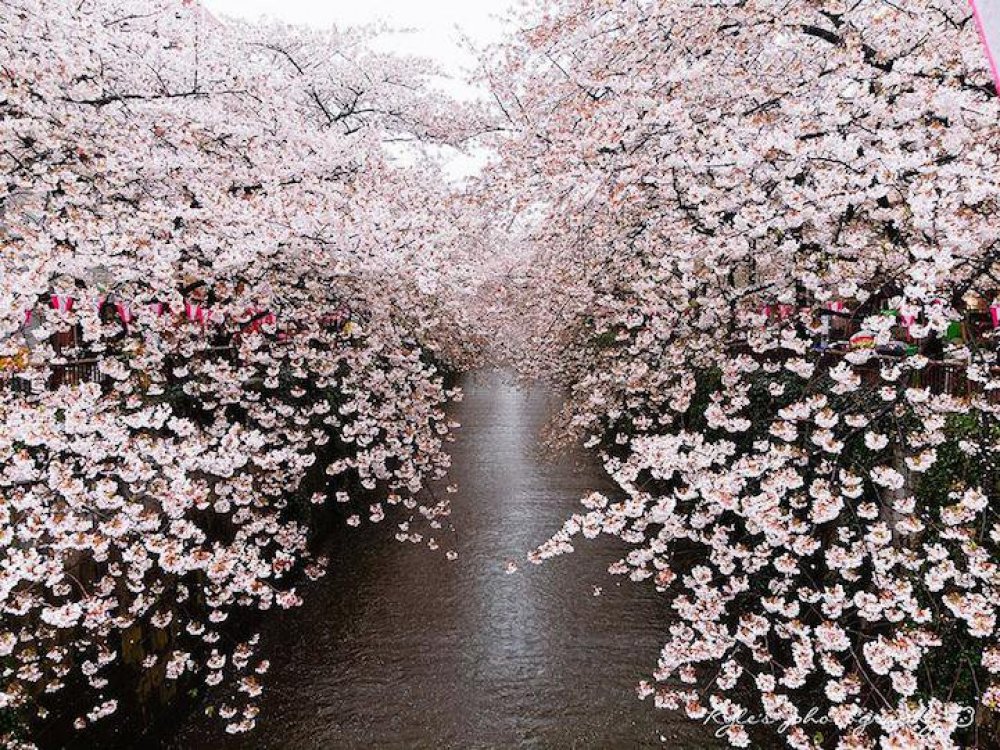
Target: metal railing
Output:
[
  {"x": 75, "y": 372},
  {"x": 71, "y": 373},
  {"x": 939, "y": 376}
]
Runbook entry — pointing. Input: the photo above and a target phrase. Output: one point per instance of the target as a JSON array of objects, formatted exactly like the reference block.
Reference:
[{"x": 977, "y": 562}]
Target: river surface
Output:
[{"x": 398, "y": 647}]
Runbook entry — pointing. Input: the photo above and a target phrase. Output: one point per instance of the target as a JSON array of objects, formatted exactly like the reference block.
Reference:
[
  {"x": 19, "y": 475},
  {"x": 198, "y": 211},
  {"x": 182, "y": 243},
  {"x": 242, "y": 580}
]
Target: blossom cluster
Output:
[
  {"x": 207, "y": 212},
  {"x": 759, "y": 244}
]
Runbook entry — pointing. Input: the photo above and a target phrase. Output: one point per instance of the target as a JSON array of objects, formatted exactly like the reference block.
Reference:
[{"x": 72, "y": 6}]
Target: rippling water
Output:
[{"x": 397, "y": 647}]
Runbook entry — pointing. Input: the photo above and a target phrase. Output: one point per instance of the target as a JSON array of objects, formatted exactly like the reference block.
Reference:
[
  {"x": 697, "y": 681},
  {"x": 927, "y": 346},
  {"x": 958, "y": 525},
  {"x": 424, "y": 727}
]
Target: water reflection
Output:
[{"x": 397, "y": 647}]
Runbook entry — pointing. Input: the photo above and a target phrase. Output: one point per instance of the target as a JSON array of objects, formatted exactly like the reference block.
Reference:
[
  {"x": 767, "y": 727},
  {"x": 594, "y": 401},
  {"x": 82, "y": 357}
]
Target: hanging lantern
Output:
[
  {"x": 194, "y": 313},
  {"x": 124, "y": 313},
  {"x": 62, "y": 303},
  {"x": 907, "y": 321},
  {"x": 258, "y": 320},
  {"x": 995, "y": 314},
  {"x": 862, "y": 341}
]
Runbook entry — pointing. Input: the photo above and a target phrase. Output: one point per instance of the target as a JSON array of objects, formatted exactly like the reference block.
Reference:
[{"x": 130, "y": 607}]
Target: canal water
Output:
[{"x": 398, "y": 647}]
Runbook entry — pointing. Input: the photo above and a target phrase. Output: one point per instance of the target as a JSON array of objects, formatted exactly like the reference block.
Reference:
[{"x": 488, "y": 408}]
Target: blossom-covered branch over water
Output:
[
  {"x": 214, "y": 318},
  {"x": 757, "y": 243},
  {"x": 764, "y": 261}
]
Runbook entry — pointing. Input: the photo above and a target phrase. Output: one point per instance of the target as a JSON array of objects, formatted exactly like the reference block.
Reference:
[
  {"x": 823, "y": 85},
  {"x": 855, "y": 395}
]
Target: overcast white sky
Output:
[
  {"x": 437, "y": 25},
  {"x": 434, "y": 29}
]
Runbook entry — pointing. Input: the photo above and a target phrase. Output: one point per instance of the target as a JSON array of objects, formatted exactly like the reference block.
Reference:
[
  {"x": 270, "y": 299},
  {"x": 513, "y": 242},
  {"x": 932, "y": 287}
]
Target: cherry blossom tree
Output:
[
  {"x": 760, "y": 249},
  {"x": 204, "y": 223}
]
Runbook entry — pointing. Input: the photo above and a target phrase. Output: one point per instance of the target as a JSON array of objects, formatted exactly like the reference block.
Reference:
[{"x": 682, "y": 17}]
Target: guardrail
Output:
[
  {"x": 77, "y": 372},
  {"x": 939, "y": 376}
]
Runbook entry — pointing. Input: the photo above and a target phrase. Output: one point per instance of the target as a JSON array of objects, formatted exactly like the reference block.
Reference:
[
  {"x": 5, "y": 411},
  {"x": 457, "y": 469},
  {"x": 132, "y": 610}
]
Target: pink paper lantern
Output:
[
  {"x": 195, "y": 313},
  {"x": 62, "y": 303},
  {"x": 124, "y": 313}
]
